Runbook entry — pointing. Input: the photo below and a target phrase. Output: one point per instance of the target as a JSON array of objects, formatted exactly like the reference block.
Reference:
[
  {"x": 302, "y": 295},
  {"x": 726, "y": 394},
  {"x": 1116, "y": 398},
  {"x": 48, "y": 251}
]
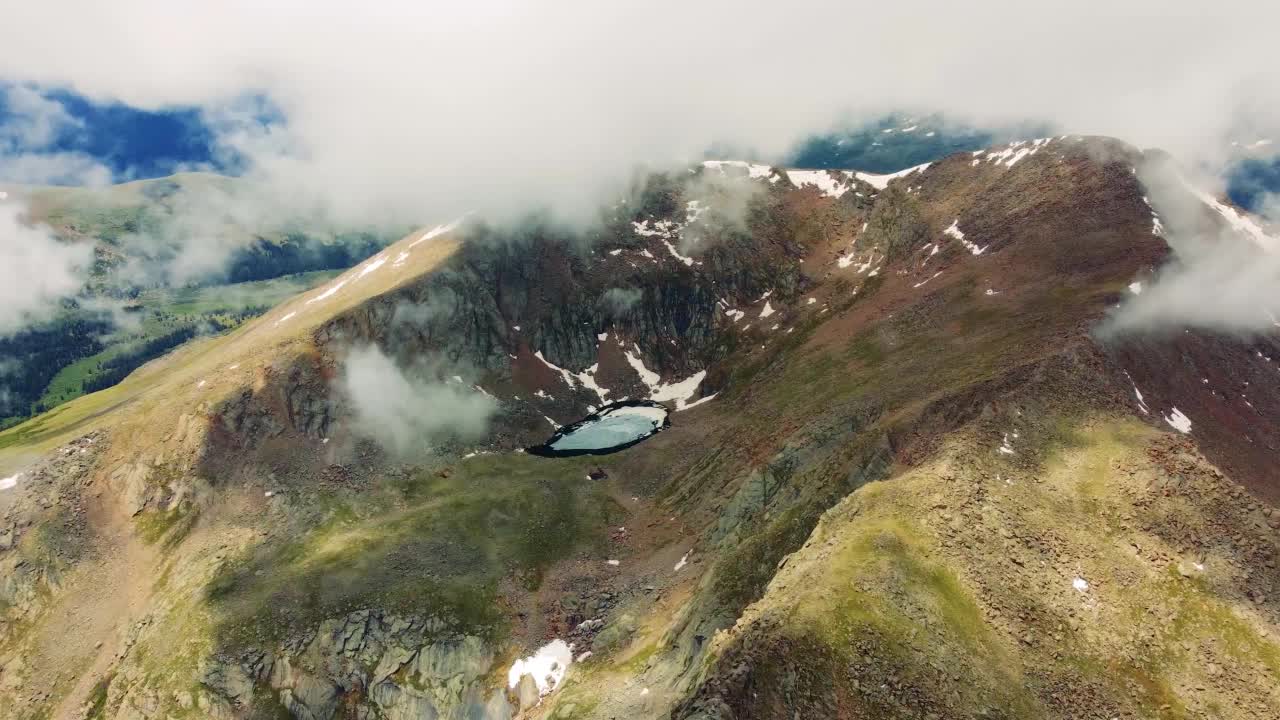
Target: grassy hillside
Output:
[{"x": 144, "y": 295}]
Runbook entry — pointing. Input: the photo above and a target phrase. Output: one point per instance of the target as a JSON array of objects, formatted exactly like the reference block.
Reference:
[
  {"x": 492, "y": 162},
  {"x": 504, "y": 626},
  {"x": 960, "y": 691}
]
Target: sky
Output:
[
  {"x": 395, "y": 111},
  {"x": 405, "y": 109}
]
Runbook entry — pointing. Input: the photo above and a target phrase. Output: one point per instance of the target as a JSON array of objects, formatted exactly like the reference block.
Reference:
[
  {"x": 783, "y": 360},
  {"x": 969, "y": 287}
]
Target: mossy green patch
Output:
[
  {"x": 884, "y": 583},
  {"x": 97, "y": 703},
  {"x": 169, "y": 526},
  {"x": 445, "y": 553}
]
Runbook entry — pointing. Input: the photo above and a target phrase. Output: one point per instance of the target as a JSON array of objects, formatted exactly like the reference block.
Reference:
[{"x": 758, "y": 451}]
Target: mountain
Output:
[
  {"x": 895, "y": 141},
  {"x": 173, "y": 257},
  {"x": 904, "y": 476}
]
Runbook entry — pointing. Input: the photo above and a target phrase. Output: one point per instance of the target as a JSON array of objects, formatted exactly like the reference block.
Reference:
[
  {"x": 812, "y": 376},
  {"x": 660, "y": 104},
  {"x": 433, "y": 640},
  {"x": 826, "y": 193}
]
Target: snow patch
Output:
[
  {"x": 676, "y": 253},
  {"x": 547, "y": 666},
  {"x": 823, "y": 180},
  {"x": 683, "y": 561},
  {"x": 699, "y": 401},
  {"x": 1080, "y": 584},
  {"x": 953, "y": 230},
  {"x": 10, "y": 482},
  {"x": 372, "y": 265},
  {"x": 647, "y": 376},
  {"x": 1005, "y": 447},
  {"x": 436, "y": 232},
  {"x": 753, "y": 170},
  {"x": 1239, "y": 222},
  {"x": 284, "y": 319},
  {"x": 586, "y": 378},
  {"x": 679, "y": 391},
  {"x": 922, "y": 282},
  {"x": 1015, "y": 152},
  {"x": 1178, "y": 421},
  {"x": 1142, "y": 402},
  {"x": 330, "y": 292},
  {"x": 768, "y": 310},
  {"x": 880, "y": 182},
  {"x": 1135, "y": 287}
]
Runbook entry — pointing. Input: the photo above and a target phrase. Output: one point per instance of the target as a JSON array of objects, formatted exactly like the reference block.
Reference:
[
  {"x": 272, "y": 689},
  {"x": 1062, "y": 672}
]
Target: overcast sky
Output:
[{"x": 417, "y": 108}]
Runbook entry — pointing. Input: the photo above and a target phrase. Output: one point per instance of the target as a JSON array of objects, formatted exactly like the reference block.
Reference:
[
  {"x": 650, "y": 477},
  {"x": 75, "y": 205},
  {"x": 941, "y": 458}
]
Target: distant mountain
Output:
[
  {"x": 1254, "y": 180},
  {"x": 901, "y": 141}
]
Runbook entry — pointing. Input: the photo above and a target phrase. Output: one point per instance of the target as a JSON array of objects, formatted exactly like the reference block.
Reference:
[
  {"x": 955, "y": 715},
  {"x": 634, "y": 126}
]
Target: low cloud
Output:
[
  {"x": 36, "y": 270},
  {"x": 422, "y": 111},
  {"x": 1225, "y": 267},
  {"x": 28, "y": 143},
  {"x": 407, "y": 411},
  {"x": 720, "y": 203},
  {"x": 619, "y": 301}
]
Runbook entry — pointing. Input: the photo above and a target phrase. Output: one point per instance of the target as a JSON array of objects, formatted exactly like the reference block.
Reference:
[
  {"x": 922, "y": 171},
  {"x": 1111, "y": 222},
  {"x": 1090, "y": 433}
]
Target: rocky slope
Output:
[{"x": 903, "y": 479}]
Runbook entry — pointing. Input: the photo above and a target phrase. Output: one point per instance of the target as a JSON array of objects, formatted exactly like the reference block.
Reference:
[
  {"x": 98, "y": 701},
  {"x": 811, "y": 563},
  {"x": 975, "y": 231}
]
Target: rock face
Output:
[
  {"x": 370, "y": 663},
  {"x": 43, "y": 529},
  {"x": 502, "y": 298}
]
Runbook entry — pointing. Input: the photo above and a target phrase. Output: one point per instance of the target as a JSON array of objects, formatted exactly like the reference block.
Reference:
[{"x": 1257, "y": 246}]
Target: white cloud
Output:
[
  {"x": 53, "y": 168},
  {"x": 1224, "y": 270},
  {"x": 428, "y": 110},
  {"x": 405, "y": 412},
  {"x": 32, "y": 125},
  {"x": 35, "y": 121},
  {"x": 35, "y": 270}
]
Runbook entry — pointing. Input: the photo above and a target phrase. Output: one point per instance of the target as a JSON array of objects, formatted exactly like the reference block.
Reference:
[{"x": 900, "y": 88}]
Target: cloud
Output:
[
  {"x": 199, "y": 227},
  {"x": 28, "y": 142},
  {"x": 717, "y": 202},
  {"x": 1225, "y": 268},
  {"x": 36, "y": 270},
  {"x": 422, "y": 111},
  {"x": 404, "y": 410},
  {"x": 619, "y": 301},
  {"x": 34, "y": 120}
]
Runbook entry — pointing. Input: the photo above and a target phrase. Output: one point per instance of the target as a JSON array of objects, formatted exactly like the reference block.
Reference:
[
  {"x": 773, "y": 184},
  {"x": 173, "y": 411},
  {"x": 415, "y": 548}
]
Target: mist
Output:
[
  {"x": 619, "y": 301},
  {"x": 407, "y": 411},
  {"x": 27, "y": 143},
  {"x": 1224, "y": 272},
  {"x": 36, "y": 270},
  {"x": 423, "y": 111}
]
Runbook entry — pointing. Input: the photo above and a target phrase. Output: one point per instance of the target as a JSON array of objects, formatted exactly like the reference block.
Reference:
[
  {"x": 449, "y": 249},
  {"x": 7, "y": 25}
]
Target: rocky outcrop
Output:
[
  {"x": 383, "y": 665},
  {"x": 49, "y": 496}
]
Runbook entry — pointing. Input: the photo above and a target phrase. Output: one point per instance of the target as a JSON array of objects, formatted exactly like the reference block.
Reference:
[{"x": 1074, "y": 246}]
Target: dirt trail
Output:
[{"x": 81, "y": 635}]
